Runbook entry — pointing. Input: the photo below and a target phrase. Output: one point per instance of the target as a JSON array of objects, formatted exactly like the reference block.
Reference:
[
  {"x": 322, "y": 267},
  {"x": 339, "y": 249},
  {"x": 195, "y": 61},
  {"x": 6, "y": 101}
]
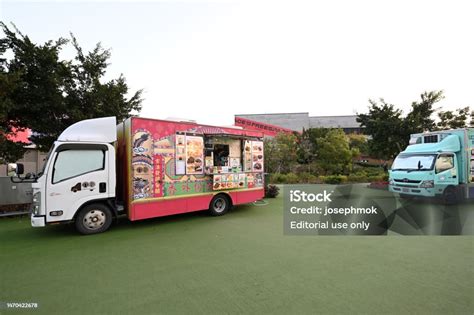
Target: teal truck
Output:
[{"x": 436, "y": 164}]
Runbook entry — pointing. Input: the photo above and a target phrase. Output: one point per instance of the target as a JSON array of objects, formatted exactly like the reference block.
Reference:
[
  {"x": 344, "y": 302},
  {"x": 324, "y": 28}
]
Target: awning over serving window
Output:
[{"x": 225, "y": 132}]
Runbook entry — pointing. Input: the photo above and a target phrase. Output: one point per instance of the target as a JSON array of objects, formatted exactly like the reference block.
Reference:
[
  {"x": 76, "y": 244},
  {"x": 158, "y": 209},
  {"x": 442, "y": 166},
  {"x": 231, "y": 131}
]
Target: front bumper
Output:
[
  {"x": 413, "y": 191},
  {"x": 37, "y": 221}
]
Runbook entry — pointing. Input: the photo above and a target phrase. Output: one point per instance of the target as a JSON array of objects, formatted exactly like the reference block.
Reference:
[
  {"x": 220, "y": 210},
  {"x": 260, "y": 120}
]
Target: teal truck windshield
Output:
[{"x": 419, "y": 162}]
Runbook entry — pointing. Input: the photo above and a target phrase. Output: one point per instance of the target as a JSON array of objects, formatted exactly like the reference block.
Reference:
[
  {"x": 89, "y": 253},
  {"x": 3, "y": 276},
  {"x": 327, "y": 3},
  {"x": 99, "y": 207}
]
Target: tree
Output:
[
  {"x": 41, "y": 92},
  {"x": 270, "y": 149},
  {"x": 281, "y": 153},
  {"x": 384, "y": 124},
  {"x": 308, "y": 146},
  {"x": 454, "y": 120},
  {"x": 419, "y": 119},
  {"x": 390, "y": 131},
  {"x": 9, "y": 150},
  {"x": 358, "y": 143},
  {"x": 334, "y": 154}
]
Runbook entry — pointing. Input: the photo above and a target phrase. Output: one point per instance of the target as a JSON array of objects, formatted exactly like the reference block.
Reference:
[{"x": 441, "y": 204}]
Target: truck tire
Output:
[
  {"x": 219, "y": 205},
  {"x": 450, "y": 196},
  {"x": 94, "y": 218}
]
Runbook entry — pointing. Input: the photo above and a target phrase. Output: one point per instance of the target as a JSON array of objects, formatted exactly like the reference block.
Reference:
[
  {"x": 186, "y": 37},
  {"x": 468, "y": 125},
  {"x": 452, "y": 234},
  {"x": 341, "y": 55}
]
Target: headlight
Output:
[
  {"x": 390, "y": 181},
  {"x": 36, "y": 203},
  {"x": 427, "y": 184}
]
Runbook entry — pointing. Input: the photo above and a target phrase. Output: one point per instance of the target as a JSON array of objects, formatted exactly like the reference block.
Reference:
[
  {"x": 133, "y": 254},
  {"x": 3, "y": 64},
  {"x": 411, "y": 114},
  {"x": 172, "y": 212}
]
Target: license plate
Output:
[{"x": 405, "y": 190}]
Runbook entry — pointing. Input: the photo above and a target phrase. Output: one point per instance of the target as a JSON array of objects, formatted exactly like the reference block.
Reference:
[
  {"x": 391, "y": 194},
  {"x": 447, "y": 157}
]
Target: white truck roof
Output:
[{"x": 91, "y": 130}]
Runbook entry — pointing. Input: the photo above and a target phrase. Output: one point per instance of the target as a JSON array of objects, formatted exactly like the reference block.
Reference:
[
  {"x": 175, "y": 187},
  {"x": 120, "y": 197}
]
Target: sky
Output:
[{"x": 210, "y": 60}]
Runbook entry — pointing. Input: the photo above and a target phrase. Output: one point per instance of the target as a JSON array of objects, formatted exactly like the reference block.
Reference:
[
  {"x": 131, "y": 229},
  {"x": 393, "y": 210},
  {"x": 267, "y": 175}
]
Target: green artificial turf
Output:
[{"x": 238, "y": 263}]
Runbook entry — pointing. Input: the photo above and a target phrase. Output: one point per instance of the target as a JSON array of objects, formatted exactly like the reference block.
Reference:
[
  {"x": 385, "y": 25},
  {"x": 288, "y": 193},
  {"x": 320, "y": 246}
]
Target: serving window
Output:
[
  {"x": 201, "y": 154},
  {"x": 221, "y": 155}
]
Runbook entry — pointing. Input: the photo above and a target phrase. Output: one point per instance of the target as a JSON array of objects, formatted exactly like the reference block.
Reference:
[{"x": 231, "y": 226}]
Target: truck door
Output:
[
  {"x": 79, "y": 173},
  {"x": 446, "y": 170}
]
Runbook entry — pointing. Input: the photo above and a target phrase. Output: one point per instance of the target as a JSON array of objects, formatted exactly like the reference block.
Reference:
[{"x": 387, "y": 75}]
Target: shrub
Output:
[
  {"x": 376, "y": 178},
  {"x": 373, "y": 171},
  {"x": 292, "y": 178},
  {"x": 306, "y": 177},
  {"x": 271, "y": 191},
  {"x": 357, "y": 178},
  {"x": 278, "y": 178},
  {"x": 335, "y": 179},
  {"x": 361, "y": 176}
]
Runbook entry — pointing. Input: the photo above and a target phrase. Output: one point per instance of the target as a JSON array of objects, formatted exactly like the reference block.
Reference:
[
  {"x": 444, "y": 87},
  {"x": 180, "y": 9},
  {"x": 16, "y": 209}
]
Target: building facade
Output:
[
  {"x": 299, "y": 121},
  {"x": 33, "y": 161}
]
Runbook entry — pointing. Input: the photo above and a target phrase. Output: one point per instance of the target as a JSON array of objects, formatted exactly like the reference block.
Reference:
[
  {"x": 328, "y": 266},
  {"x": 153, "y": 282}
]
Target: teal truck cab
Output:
[{"x": 436, "y": 164}]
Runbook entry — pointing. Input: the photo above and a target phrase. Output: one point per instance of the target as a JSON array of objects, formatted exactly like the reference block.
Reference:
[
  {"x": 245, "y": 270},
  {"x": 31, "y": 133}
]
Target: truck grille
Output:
[
  {"x": 407, "y": 181},
  {"x": 409, "y": 186}
]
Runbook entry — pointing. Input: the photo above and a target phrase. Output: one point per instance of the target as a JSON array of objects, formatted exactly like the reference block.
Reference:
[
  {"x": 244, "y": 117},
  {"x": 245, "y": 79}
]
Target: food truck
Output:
[
  {"x": 436, "y": 164},
  {"x": 145, "y": 168}
]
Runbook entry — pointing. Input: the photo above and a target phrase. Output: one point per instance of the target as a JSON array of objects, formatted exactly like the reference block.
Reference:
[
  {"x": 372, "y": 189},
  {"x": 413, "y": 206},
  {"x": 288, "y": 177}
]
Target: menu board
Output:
[
  {"x": 257, "y": 156},
  {"x": 209, "y": 164},
  {"x": 180, "y": 154},
  {"x": 189, "y": 154},
  {"x": 247, "y": 156},
  {"x": 258, "y": 180},
  {"x": 228, "y": 181},
  {"x": 194, "y": 154},
  {"x": 250, "y": 181}
]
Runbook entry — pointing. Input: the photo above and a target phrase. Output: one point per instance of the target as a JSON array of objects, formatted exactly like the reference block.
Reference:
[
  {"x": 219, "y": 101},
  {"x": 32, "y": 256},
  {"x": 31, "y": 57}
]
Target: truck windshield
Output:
[{"x": 419, "y": 162}]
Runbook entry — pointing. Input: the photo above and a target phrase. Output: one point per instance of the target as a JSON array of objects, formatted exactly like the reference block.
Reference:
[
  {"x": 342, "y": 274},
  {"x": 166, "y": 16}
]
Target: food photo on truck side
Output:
[
  {"x": 144, "y": 168},
  {"x": 437, "y": 164}
]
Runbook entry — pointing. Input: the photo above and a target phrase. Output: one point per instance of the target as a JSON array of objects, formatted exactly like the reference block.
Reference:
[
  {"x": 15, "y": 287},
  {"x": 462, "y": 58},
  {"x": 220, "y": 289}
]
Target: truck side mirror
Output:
[{"x": 15, "y": 169}]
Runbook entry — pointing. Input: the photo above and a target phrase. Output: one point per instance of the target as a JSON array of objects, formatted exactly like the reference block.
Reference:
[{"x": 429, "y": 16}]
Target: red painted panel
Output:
[
  {"x": 162, "y": 208},
  {"x": 199, "y": 203},
  {"x": 233, "y": 197},
  {"x": 159, "y": 208},
  {"x": 249, "y": 196}
]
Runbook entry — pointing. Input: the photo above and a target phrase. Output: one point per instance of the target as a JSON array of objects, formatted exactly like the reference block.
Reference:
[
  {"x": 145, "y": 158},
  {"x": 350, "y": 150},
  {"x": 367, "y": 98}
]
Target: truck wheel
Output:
[
  {"x": 220, "y": 204},
  {"x": 93, "y": 218},
  {"x": 450, "y": 196}
]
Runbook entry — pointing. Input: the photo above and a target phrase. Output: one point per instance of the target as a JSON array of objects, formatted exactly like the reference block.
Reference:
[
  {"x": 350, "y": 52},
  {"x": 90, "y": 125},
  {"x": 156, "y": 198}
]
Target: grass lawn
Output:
[{"x": 238, "y": 263}]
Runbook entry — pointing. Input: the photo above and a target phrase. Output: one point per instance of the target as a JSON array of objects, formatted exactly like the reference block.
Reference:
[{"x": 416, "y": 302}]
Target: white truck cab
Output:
[{"x": 78, "y": 178}]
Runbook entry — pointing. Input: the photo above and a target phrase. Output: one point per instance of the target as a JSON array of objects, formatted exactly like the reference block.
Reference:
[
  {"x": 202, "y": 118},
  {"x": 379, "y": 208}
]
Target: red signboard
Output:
[
  {"x": 157, "y": 176},
  {"x": 267, "y": 129}
]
